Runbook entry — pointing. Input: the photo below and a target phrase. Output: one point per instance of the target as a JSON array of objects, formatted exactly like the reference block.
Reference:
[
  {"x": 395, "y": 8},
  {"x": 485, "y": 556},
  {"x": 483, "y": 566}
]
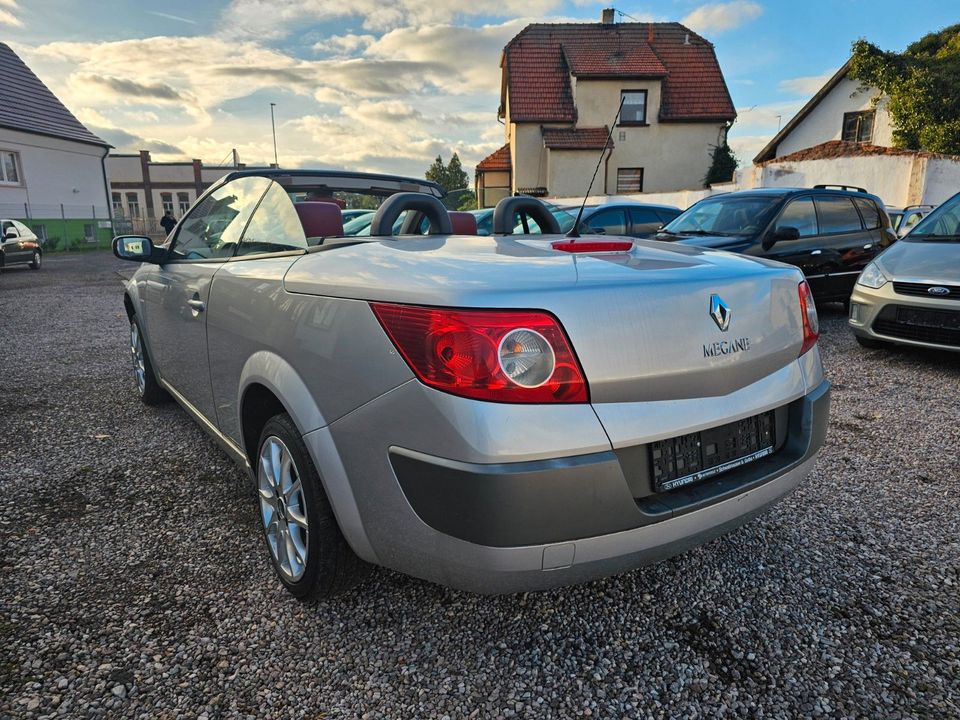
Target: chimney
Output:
[
  {"x": 686, "y": 39},
  {"x": 649, "y": 33},
  {"x": 607, "y": 16}
]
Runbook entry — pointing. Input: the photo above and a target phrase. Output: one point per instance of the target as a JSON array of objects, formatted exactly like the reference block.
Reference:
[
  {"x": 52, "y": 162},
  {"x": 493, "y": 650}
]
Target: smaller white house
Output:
[
  {"x": 839, "y": 111},
  {"x": 52, "y": 168}
]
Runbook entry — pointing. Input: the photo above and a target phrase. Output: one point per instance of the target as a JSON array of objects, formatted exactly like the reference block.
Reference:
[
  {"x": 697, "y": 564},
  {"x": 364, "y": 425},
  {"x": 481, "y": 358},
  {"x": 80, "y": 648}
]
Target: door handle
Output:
[
  {"x": 816, "y": 252},
  {"x": 868, "y": 246},
  {"x": 196, "y": 304}
]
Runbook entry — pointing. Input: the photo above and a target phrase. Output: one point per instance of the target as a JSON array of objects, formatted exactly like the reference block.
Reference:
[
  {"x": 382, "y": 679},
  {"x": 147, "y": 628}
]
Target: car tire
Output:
[
  {"x": 35, "y": 263},
  {"x": 145, "y": 380},
  {"x": 870, "y": 343},
  {"x": 309, "y": 553}
]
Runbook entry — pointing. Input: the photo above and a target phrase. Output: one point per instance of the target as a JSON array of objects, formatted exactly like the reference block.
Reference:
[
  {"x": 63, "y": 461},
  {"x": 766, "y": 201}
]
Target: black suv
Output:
[{"x": 829, "y": 234}]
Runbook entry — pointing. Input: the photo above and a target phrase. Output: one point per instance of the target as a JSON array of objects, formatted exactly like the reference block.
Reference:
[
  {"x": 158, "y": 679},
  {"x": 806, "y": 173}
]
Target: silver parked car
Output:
[
  {"x": 910, "y": 293},
  {"x": 498, "y": 414}
]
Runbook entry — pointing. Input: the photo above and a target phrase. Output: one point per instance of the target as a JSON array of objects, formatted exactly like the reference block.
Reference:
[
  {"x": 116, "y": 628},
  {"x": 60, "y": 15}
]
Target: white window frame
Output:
[
  {"x": 3, "y": 168},
  {"x": 183, "y": 201}
]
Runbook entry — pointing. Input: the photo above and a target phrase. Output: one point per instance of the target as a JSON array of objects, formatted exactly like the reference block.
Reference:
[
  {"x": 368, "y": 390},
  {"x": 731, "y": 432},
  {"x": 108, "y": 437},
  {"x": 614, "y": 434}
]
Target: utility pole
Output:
[{"x": 273, "y": 125}]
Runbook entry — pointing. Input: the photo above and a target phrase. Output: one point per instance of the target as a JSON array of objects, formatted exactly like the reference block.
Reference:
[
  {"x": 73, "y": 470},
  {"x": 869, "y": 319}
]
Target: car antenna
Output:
[{"x": 574, "y": 231}]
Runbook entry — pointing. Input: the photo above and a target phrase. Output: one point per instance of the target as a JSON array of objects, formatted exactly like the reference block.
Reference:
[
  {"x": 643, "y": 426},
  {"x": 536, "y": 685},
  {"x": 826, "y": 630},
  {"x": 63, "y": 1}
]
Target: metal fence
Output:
[{"x": 65, "y": 226}]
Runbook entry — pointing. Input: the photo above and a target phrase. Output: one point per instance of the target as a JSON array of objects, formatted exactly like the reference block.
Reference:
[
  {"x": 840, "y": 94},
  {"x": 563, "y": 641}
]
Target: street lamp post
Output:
[{"x": 273, "y": 126}]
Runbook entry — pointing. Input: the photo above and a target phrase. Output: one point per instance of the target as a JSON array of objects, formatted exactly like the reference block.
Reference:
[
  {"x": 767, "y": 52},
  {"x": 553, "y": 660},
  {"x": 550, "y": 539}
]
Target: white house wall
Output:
[
  {"x": 825, "y": 121},
  {"x": 56, "y": 172}
]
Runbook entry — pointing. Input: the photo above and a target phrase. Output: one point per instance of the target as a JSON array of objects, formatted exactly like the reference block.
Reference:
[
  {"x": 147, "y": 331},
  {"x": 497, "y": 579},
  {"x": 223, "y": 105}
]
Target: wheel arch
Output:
[{"x": 269, "y": 384}]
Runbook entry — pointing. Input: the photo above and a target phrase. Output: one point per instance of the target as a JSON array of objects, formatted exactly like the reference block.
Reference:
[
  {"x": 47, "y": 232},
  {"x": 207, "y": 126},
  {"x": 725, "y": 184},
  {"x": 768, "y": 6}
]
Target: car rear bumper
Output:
[
  {"x": 874, "y": 315},
  {"x": 499, "y": 527}
]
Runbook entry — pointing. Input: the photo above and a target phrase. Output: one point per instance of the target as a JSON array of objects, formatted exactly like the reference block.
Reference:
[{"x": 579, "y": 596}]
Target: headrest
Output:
[
  {"x": 463, "y": 223},
  {"x": 320, "y": 219}
]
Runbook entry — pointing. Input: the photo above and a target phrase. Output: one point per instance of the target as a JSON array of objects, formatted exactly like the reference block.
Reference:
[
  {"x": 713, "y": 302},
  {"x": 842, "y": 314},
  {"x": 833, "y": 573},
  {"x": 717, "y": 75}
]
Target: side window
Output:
[
  {"x": 6, "y": 227},
  {"x": 667, "y": 215},
  {"x": 801, "y": 215},
  {"x": 645, "y": 220},
  {"x": 607, "y": 222},
  {"x": 275, "y": 226},
  {"x": 870, "y": 213},
  {"x": 213, "y": 227},
  {"x": 837, "y": 215},
  {"x": 910, "y": 220}
]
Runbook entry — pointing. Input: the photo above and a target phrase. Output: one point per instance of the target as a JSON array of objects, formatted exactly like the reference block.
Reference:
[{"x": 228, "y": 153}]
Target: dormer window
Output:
[
  {"x": 634, "y": 110},
  {"x": 858, "y": 126}
]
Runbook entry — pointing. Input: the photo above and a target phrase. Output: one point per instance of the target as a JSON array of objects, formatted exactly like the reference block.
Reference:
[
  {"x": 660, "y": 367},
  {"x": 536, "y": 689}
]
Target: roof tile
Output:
[
  {"x": 27, "y": 104},
  {"x": 541, "y": 58},
  {"x": 576, "y": 138},
  {"x": 498, "y": 160}
]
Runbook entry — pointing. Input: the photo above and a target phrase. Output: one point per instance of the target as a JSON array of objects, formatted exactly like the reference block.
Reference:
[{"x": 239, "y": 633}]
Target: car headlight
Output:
[{"x": 872, "y": 277}]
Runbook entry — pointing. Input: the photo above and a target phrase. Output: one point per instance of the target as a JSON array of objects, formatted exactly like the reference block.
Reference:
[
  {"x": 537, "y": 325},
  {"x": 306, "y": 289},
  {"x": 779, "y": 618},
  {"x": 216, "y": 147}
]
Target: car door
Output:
[
  {"x": 611, "y": 221},
  {"x": 644, "y": 222},
  {"x": 13, "y": 251},
  {"x": 177, "y": 291},
  {"x": 248, "y": 307},
  {"x": 845, "y": 245},
  {"x": 805, "y": 252}
]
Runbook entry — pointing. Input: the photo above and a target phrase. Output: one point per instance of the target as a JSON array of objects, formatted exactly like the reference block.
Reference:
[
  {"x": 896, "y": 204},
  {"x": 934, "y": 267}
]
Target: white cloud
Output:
[
  {"x": 348, "y": 44},
  {"x": 399, "y": 101},
  {"x": 746, "y": 147},
  {"x": 807, "y": 85},
  {"x": 7, "y": 8},
  {"x": 766, "y": 117},
  {"x": 720, "y": 17},
  {"x": 276, "y": 18}
]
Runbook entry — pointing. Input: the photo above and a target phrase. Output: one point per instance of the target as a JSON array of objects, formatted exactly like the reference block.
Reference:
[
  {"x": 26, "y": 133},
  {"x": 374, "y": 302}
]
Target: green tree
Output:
[
  {"x": 438, "y": 173},
  {"x": 923, "y": 86},
  {"x": 449, "y": 176},
  {"x": 468, "y": 201},
  {"x": 723, "y": 164},
  {"x": 456, "y": 175}
]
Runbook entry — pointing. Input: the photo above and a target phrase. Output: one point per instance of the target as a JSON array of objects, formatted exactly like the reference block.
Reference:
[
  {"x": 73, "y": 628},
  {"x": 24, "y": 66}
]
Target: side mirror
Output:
[
  {"x": 784, "y": 232},
  {"x": 138, "y": 248}
]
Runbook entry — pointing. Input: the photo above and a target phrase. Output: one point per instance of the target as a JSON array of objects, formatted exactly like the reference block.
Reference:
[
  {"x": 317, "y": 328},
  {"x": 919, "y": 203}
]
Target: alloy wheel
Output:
[
  {"x": 139, "y": 366},
  {"x": 283, "y": 508}
]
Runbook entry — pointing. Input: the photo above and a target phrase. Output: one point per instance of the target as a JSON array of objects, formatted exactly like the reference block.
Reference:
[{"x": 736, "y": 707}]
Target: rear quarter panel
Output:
[{"x": 323, "y": 356}]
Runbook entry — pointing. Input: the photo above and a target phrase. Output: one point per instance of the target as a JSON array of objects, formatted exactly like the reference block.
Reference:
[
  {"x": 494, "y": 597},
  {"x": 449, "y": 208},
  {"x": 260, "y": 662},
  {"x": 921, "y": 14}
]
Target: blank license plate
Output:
[{"x": 696, "y": 456}]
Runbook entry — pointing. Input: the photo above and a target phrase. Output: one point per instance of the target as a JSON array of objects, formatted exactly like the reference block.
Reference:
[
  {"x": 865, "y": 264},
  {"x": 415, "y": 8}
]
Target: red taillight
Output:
[
  {"x": 592, "y": 246},
  {"x": 470, "y": 352},
  {"x": 808, "y": 312}
]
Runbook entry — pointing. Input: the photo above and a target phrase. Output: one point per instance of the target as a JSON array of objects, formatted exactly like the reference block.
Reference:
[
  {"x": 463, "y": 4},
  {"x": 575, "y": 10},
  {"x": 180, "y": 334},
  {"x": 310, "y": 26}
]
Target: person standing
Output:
[{"x": 168, "y": 222}]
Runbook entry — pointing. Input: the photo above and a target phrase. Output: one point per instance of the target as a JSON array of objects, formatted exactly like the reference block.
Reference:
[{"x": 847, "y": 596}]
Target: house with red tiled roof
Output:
[{"x": 562, "y": 85}]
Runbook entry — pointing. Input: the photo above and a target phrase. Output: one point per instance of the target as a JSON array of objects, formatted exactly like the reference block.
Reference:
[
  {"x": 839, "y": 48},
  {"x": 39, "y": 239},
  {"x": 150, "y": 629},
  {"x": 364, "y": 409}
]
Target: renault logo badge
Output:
[{"x": 720, "y": 312}]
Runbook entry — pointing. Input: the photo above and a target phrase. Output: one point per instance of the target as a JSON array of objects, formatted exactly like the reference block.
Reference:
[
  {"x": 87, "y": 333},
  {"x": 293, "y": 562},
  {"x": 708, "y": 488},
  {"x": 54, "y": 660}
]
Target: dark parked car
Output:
[
  {"x": 829, "y": 234},
  {"x": 19, "y": 244}
]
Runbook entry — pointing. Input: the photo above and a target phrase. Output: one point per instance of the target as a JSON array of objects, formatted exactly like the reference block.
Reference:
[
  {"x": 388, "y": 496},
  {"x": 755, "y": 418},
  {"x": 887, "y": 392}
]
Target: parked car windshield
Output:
[
  {"x": 725, "y": 215},
  {"x": 941, "y": 224},
  {"x": 564, "y": 216}
]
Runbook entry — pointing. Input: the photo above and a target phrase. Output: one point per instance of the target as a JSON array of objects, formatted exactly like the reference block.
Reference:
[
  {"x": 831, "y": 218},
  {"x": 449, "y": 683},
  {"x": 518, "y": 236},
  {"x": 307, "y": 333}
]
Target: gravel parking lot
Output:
[{"x": 134, "y": 583}]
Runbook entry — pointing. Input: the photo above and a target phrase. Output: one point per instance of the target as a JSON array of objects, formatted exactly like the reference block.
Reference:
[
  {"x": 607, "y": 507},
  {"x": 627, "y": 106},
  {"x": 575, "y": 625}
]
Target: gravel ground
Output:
[{"x": 134, "y": 583}]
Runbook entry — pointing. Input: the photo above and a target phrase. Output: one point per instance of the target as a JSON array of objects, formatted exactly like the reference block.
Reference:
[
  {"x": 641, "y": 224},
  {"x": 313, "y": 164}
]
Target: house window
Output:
[
  {"x": 629, "y": 180},
  {"x": 183, "y": 199},
  {"x": 634, "y": 110},
  {"x": 90, "y": 232},
  {"x": 117, "y": 200},
  {"x": 9, "y": 168},
  {"x": 133, "y": 205},
  {"x": 166, "y": 199},
  {"x": 858, "y": 126}
]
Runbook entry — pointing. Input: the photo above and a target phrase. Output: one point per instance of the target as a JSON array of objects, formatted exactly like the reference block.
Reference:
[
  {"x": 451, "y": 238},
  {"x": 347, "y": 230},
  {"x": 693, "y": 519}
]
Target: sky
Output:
[{"x": 375, "y": 85}]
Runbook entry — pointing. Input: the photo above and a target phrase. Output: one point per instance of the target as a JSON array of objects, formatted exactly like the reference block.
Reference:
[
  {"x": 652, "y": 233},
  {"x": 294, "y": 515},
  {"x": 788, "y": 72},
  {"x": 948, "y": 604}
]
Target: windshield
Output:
[
  {"x": 725, "y": 215},
  {"x": 358, "y": 225},
  {"x": 564, "y": 216},
  {"x": 941, "y": 224}
]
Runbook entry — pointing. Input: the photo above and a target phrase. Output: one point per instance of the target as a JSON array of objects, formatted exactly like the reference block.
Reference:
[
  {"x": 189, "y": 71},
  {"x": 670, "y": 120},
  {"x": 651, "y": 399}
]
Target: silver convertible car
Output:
[{"x": 497, "y": 414}]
